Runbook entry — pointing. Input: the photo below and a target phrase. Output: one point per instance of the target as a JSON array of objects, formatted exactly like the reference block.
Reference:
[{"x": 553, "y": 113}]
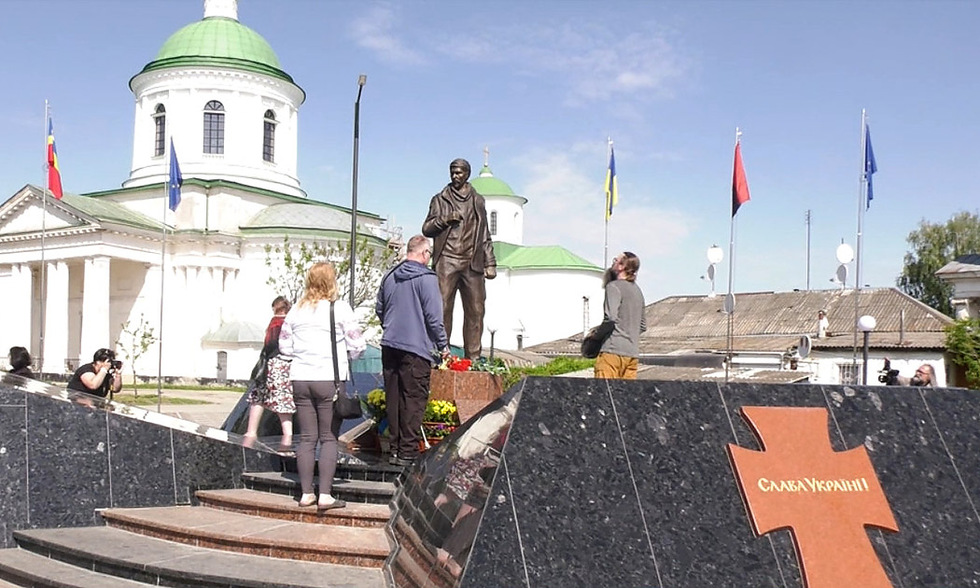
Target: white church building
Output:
[
  {"x": 74, "y": 271},
  {"x": 541, "y": 293}
]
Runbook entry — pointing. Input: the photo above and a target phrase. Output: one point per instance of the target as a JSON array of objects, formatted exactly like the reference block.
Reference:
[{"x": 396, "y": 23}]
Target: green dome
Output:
[
  {"x": 219, "y": 42},
  {"x": 487, "y": 185}
]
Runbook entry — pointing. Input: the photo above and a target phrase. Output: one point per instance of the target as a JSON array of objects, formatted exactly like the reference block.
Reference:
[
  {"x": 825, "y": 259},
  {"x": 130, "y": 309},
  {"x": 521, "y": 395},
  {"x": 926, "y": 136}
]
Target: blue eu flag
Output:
[
  {"x": 176, "y": 180},
  {"x": 870, "y": 167}
]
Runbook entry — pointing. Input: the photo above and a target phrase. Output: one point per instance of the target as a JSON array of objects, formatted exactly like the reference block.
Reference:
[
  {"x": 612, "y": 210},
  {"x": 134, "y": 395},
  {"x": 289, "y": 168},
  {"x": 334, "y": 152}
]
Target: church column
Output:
[
  {"x": 95, "y": 307},
  {"x": 21, "y": 296},
  {"x": 149, "y": 363},
  {"x": 56, "y": 318}
]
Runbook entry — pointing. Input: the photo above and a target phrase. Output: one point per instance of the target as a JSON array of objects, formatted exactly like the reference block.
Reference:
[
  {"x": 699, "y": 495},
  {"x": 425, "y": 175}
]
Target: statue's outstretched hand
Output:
[{"x": 490, "y": 272}]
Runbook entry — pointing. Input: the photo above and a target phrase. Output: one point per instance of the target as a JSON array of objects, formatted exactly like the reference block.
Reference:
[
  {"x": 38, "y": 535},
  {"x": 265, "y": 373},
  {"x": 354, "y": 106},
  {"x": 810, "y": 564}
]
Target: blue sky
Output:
[{"x": 543, "y": 84}]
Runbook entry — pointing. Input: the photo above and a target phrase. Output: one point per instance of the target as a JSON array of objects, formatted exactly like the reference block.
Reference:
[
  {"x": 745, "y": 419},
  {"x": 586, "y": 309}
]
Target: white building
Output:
[
  {"x": 540, "y": 292},
  {"x": 963, "y": 273},
  {"x": 79, "y": 268}
]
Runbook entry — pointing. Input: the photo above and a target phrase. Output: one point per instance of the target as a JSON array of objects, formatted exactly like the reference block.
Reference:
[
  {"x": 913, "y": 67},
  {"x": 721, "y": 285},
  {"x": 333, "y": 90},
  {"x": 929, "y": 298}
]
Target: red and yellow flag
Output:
[{"x": 54, "y": 172}]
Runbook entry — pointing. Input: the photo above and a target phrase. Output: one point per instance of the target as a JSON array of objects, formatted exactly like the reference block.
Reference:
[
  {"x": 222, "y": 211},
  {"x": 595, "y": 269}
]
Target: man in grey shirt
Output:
[{"x": 624, "y": 306}]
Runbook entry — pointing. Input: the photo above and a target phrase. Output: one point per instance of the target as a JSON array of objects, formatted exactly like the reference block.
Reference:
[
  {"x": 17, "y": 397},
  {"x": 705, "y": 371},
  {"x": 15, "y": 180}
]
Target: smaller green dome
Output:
[
  {"x": 487, "y": 185},
  {"x": 222, "y": 42}
]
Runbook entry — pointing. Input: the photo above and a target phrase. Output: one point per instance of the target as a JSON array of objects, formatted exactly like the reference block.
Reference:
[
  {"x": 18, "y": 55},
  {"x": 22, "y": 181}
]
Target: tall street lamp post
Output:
[{"x": 361, "y": 80}]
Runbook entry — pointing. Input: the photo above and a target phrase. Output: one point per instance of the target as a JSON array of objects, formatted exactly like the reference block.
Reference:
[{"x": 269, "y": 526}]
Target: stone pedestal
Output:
[{"x": 471, "y": 391}]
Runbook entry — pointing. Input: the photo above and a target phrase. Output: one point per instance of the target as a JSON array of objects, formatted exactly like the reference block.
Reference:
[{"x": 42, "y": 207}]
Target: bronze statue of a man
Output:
[{"x": 462, "y": 256}]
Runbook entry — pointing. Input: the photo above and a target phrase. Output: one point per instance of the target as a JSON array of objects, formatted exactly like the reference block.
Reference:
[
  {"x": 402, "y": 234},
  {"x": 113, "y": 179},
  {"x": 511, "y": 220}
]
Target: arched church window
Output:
[
  {"x": 493, "y": 223},
  {"x": 214, "y": 128},
  {"x": 269, "y": 136},
  {"x": 159, "y": 130}
]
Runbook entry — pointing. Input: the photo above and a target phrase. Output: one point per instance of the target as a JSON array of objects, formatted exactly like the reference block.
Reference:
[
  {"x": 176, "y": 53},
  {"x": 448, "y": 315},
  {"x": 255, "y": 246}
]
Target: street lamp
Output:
[
  {"x": 844, "y": 256},
  {"x": 361, "y": 80},
  {"x": 715, "y": 255},
  {"x": 492, "y": 329},
  {"x": 866, "y": 324}
]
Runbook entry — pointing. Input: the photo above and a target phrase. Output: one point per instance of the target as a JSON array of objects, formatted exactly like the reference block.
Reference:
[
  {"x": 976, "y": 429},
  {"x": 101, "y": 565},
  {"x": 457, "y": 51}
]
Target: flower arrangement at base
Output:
[
  {"x": 456, "y": 364},
  {"x": 460, "y": 364},
  {"x": 440, "y": 418},
  {"x": 374, "y": 407}
]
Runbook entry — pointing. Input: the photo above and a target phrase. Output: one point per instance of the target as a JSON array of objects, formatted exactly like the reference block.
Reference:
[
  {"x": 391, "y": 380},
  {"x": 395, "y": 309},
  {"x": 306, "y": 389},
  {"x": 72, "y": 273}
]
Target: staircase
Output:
[{"x": 256, "y": 536}]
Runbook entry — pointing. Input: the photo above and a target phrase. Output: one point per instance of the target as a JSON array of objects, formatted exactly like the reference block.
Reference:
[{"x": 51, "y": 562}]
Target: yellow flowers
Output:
[
  {"x": 440, "y": 411},
  {"x": 436, "y": 411}
]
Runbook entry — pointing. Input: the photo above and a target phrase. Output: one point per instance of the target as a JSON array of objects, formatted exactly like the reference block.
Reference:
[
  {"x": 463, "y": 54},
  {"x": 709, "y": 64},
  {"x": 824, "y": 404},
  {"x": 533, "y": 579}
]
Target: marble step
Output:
[
  {"x": 379, "y": 470},
  {"x": 31, "y": 569},
  {"x": 348, "y": 490},
  {"x": 281, "y": 506},
  {"x": 363, "y": 467},
  {"x": 232, "y": 531},
  {"x": 120, "y": 555}
]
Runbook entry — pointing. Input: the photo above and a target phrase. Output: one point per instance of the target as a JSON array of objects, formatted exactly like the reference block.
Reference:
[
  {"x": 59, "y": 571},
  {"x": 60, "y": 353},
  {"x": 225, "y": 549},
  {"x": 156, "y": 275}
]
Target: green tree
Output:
[
  {"x": 963, "y": 346},
  {"x": 933, "y": 245},
  {"x": 134, "y": 342},
  {"x": 289, "y": 262}
]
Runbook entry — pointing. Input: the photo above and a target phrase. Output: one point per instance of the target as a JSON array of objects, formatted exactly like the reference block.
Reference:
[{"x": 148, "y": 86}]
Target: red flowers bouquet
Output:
[{"x": 456, "y": 364}]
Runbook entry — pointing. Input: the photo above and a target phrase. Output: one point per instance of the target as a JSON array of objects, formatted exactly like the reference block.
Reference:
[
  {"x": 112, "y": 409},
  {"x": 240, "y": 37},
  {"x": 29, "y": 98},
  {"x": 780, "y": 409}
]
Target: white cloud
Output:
[
  {"x": 565, "y": 207},
  {"x": 592, "y": 61},
  {"x": 596, "y": 64},
  {"x": 375, "y": 31}
]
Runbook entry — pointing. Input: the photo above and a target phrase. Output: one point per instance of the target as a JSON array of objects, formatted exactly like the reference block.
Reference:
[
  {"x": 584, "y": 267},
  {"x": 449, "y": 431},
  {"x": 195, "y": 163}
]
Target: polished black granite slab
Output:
[
  {"x": 65, "y": 455},
  {"x": 613, "y": 483}
]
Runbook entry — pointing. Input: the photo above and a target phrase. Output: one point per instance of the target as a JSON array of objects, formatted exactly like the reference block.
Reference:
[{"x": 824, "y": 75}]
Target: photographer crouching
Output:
[
  {"x": 924, "y": 376},
  {"x": 102, "y": 377}
]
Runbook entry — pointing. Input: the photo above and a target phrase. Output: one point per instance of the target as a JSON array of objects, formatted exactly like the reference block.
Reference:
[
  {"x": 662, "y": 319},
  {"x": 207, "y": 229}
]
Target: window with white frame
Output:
[
  {"x": 159, "y": 130},
  {"x": 214, "y": 128}
]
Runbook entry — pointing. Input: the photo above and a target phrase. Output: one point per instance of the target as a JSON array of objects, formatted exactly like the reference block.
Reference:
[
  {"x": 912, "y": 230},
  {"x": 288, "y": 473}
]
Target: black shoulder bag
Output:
[
  {"x": 344, "y": 406},
  {"x": 593, "y": 340}
]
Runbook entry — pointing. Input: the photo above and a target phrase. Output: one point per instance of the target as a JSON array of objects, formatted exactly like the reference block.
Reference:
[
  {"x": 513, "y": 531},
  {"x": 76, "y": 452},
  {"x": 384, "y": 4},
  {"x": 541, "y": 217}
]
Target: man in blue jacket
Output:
[{"x": 410, "y": 308}]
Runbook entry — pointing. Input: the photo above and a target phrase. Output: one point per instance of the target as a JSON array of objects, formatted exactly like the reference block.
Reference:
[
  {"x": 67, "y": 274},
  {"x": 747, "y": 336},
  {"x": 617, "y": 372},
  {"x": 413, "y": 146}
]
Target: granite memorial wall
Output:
[
  {"x": 63, "y": 455},
  {"x": 584, "y": 482}
]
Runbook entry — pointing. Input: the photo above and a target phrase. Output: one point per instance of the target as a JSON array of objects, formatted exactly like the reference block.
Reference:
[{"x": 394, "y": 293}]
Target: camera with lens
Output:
[
  {"x": 115, "y": 364},
  {"x": 888, "y": 376}
]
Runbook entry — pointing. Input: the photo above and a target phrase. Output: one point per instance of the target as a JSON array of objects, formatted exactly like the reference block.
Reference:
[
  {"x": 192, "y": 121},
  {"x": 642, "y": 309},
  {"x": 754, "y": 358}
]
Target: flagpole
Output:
[
  {"x": 730, "y": 298},
  {"x": 605, "y": 213},
  {"x": 860, "y": 229},
  {"x": 163, "y": 273},
  {"x": 44, "y": 214}
]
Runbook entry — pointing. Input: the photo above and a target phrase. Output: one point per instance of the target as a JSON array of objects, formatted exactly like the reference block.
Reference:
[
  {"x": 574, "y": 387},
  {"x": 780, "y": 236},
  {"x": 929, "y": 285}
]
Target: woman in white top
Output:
[{"x": 305, "y": 338}]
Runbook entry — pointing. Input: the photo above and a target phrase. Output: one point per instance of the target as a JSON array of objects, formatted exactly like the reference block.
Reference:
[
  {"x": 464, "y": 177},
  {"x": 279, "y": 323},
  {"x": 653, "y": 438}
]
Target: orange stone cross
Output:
[{"x": 824, "y": 497}]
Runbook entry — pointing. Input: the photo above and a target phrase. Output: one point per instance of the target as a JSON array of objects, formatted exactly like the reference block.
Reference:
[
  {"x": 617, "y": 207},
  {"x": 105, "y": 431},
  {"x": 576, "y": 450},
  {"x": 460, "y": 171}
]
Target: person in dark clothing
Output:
[
  {"x": 410, "y": 308},
  {"x": 99, "y": 378},
  {"x": 20, "y": 362},
  {"x": 462, "y": 254}
]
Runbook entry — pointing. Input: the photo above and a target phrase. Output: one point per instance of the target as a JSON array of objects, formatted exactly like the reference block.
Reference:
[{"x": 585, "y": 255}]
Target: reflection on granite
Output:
[
  {"x": 614, "y": 483},
  {"x": 438, "y": 508},
  {"x": 65, "y": 454}
]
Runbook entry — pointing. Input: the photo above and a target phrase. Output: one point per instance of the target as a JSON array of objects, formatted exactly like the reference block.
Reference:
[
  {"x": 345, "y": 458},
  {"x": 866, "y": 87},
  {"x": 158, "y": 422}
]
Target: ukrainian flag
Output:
[
  {"x": 612, "y": 188},
  {"x": 54, "y": 172}
]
